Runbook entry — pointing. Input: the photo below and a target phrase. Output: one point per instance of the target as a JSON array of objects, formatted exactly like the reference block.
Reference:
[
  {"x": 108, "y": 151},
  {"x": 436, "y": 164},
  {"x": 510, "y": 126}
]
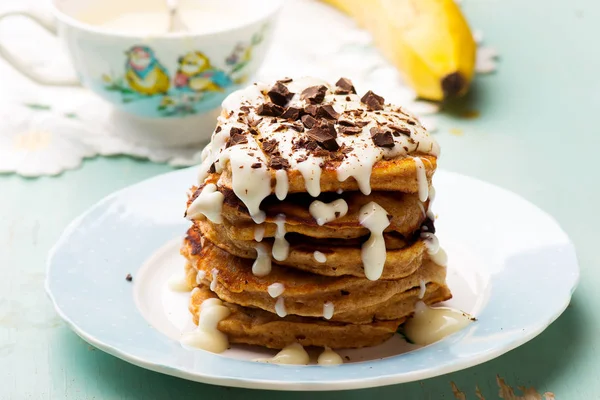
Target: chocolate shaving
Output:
[
  {"x": 279, "y": 94},
  {"x": 254, "y": 122},
  {"x": 269, "y": 109},
  {"x": 346, "y": 149},
  {"x": 291, "y": 113},
  {"x": 128, "y": 278},
  {"x": 382, "y": 138},
  {"x": 398, "y": 129},
  {"x": 270, "y": 146},
  {"x": 361, "y": 123},
  {"x": 327, "y": 111},
  {"x": 218, "y": 129},
  {"x": 308, "y": 121},
  {"x": 279, "y": 163},
  {"x": 297, "y": 126},
  {"x": 314, "y": 94},
  {"x": 256, "y": 165},
  {"x": 345, "y": 121},
  {"x": 350, "y": 130},
  {"x": 323, "y": 137},
  {"x": 411, "y": 122},
  {"x": 212, "y": 169},
  {"x": 373, "y": 101},
  {"x": 285, "y": 80},
  {"x": 302, "y": 158},
  {"x": 245, "y": 109},
  {"x": 344, "y": 86}
]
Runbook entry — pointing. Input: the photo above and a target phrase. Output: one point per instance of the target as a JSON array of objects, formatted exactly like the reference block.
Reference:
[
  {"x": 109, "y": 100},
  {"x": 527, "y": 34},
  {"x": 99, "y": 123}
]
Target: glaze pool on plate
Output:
[{"x": 519, "y": 252}]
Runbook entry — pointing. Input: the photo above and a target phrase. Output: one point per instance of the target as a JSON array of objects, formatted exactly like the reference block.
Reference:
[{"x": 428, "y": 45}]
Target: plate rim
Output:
[{"x": 273, "y": 384}]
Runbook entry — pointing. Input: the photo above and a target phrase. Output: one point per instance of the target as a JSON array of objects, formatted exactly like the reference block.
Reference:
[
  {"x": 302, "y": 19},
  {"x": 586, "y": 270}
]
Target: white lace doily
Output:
[{"x": 47, "y": 130}]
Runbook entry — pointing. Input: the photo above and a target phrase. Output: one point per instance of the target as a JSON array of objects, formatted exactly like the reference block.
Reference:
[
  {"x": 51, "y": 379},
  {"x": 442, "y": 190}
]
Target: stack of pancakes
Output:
[{"x": 311, "y": 219}]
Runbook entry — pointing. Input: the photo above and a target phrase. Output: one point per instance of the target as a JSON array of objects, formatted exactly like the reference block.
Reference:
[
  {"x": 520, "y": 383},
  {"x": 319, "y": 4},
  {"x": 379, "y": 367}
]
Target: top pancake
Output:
[{"x": 308, "y": 136}]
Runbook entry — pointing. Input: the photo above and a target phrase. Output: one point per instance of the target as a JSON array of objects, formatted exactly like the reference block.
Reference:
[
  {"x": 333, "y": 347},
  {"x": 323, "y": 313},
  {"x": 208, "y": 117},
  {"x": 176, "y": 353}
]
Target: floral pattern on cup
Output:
[{"x": 196, "y": 86}]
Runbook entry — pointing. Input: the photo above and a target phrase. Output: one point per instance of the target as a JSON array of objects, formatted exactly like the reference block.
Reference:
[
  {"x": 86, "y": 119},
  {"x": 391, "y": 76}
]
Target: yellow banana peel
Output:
[{"x": 429, "y": 41}]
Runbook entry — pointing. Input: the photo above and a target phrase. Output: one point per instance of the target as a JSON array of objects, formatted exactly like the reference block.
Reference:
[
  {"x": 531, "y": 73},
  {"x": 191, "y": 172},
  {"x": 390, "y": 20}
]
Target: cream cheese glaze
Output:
[
  {"x": 206, "y": 336},
  {"x": 249, "y": 165},
  {"x": 327, "y": 212}
]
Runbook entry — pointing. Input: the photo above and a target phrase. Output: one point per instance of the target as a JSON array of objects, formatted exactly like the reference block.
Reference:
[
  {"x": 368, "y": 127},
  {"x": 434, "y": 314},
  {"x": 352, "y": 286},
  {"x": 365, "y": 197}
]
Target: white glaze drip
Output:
[
  {"x": 282, "y": 185},
  {"x": 262, "y": 264},
  {"x": 431, "y": 194},
  {"x": 259, "y": 232},
  {"x": 208, "y": 203},
  {"x": 422, "y": 289},
  {"x": 327, "y": 212},
  {"x": 206, "y": 336},
  {"x": 329, "y": 357},
  {"x": 319, "y": 257},
  {"x": 200, "y": 276},
  {"x": 275, "y": 289},
  {"x": 281, "y": 247},
  {"x": 328, "y": 309},
  {"x": 421, "y": 179},
  {"x": 280, "y": 307},
  {"x": 428, "y": 325},
  {"x": 250, "y": 185},
  {"x": 177, "y": 283},
  {"x": 373, "y": 217},
  {"x": 436, "y": 253},
  {"x": 293, "y": 354},
  {"x": 213, "y": 283}
]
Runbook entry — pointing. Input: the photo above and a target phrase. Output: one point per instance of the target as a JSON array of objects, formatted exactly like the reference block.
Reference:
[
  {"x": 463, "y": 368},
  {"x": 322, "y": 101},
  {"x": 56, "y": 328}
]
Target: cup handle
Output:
[{"x": 22, "y": 67}]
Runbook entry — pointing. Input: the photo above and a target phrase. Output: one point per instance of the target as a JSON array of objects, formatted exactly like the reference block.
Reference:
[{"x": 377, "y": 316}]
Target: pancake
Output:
[
  {"x": 257, "y": 327},
  {"x": 355, "y": 300},
  {"x": 407, "y": 214},
  {"x": 341, "y": 258}
]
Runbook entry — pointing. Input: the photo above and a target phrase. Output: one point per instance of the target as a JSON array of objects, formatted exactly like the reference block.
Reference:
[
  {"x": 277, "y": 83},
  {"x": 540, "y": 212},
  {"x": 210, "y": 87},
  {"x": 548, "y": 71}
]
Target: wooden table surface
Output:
[{"x": 535, "y": 134}]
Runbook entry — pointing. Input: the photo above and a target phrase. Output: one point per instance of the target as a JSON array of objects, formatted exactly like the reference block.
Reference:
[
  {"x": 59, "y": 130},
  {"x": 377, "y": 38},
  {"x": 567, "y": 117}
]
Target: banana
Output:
[{"x": 429, "y": 41}]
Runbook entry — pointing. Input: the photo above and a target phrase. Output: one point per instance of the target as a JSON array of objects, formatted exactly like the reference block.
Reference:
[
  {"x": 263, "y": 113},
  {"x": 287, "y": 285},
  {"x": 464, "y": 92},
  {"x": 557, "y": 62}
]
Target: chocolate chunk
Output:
[
  {"x": 236, "y": 131},
  {"x": 348, "y": 98},
  {"x": 373, "y": 101},
  {"x": 269, "y": 109},
  {"x": 218, "y": 129},
  {"x": 350, "y": 130},
  {"x": 236, "y": 138},
  {"x": 343, "y": 120},
  {"x": 346, "y": 149},
  {"x": 323, "y": 137},
  {"x": 308, "y": 121},
  {"x": 327, "y": 111},
  {"x": 302, "y": 158},
  {"x": 399, "y": 129},
  {"x": 279, "y": 94},
  {"x": 285, "y": 80},
  {"x": 281, "y": 127},
  {"x": 256, "y": 165},
  {"x": 428, "y": 226},
  {"x": 291, "y": 113},
  {"x": 314, "y": 94},
  {"x": 253, "y": 131},
  {"x": 279, "y": 163},
  {"x": 382, "y": 138},
  {"x": 245, "y": 109},
  {"x": 411, "y": 122},
  {"x": 270, "y": 146},
  {"x": 311, "y": 109},
  {"x": 344, "y": 86},
  {"x": 212, "y": 169},
  {"x": 329, "y": 126},
  {"x": 361, "y": 123},
  {"x": 128, "y": 278}
]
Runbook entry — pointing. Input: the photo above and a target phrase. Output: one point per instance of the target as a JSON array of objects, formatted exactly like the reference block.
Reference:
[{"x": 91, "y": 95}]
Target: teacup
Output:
[{"x": 151, "y": 73}]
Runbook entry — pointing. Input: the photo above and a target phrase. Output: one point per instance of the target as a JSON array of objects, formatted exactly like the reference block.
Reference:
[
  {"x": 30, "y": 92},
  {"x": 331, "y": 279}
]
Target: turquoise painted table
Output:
[{"x": 536, "y": 135}]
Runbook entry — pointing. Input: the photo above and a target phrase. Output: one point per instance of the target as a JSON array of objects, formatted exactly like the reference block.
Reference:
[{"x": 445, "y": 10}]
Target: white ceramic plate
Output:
[{"x": 505, "y": 257}]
